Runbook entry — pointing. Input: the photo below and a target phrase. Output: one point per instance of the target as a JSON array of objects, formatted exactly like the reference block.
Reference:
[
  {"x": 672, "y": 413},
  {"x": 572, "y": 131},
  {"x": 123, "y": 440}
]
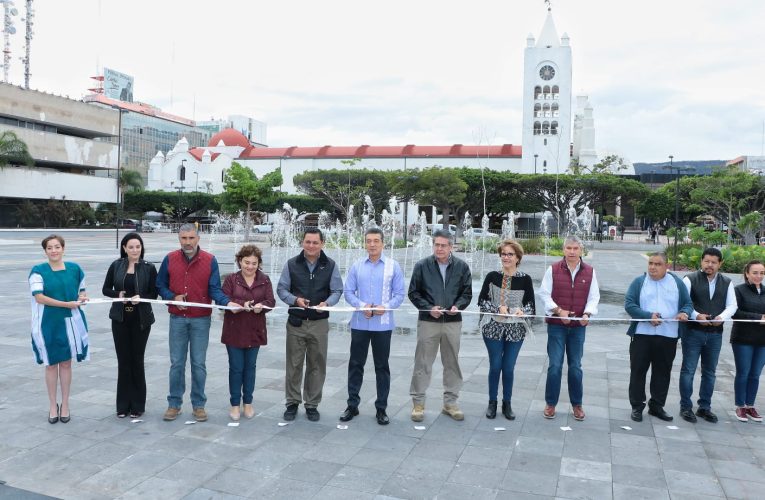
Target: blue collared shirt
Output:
[{"x": 366, "y": 284}]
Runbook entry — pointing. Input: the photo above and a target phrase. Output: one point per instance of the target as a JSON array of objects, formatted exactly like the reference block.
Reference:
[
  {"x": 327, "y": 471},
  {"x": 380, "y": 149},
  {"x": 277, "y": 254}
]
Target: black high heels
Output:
[{"x": 53, "y": 420}]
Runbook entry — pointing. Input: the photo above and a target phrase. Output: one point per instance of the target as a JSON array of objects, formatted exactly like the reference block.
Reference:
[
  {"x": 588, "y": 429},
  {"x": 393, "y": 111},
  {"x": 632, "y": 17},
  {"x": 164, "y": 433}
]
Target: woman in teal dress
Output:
[{"x": 59, "y": 330}]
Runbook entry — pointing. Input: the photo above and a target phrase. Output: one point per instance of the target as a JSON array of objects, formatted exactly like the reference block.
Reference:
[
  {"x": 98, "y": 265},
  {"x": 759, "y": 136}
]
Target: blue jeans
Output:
[
  {"x": 569, "y": 340},
  {"x": 749, "y": 362},
  {"x": 188, "y": 335},
  {"x": 502, "y": 357},
  {"x": 705, "y": 345},
  {"x": 241, "y": 373}
]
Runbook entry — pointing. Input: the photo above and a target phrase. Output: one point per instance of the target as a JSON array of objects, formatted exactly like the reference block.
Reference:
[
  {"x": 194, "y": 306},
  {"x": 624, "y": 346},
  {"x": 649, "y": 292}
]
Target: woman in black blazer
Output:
[{"x": 131, "y": 277}]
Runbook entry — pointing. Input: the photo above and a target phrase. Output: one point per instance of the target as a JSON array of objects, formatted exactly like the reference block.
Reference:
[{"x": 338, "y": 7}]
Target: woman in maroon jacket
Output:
[{"x": 244, "y": 330}]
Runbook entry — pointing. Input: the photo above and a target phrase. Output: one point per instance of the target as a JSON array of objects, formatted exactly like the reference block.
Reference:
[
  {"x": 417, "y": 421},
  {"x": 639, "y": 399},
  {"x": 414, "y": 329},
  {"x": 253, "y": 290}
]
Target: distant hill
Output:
[{"x": 700, "y": 167}]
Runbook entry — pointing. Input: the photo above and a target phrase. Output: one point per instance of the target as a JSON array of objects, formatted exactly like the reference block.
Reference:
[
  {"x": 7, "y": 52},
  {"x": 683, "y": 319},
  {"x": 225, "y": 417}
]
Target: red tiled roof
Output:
[
  {"x": 198, "y": 152},
  {"x": 366, "y": 151},
  {"x": 230, "y": 137}
]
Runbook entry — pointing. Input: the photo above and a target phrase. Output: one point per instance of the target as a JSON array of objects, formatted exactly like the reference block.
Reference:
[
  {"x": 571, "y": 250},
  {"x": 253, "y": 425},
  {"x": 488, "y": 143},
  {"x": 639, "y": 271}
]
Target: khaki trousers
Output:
[
  {"x": 307, "y": 342},
  {"x": 431, "y": 336}
]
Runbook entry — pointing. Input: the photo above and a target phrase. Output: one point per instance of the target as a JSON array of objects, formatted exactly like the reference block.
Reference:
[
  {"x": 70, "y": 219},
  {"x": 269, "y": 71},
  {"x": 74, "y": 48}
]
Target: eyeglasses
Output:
[{"x": 506, "y": 254}]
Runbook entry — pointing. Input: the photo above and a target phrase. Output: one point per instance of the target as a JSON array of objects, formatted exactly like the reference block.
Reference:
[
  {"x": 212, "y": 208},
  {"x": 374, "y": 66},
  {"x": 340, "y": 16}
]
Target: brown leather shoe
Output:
[
  {"x": 171, "y": 414},
  {"x": 200, "y": 415},
  {"x": 549, "y": 411},
  {"x": 249, "y": 411},
  {"x": 578, "y": 412}
]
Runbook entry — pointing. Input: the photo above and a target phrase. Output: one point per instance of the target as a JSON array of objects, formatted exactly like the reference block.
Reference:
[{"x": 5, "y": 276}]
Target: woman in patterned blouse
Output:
[{"x": 507, "y": 295}]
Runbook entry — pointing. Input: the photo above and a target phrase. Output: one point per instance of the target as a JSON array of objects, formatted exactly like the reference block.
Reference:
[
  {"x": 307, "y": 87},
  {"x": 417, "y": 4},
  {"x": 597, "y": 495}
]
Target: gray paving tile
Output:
[
  {"x": 423, "y": 467},
  {"x": 158, "y": 487},
  {"x": 583, "y": 489},
  {"x": 739, "y": 488},
  {"x": 686, "y": 463},
  {"x": 730, "y": 453},
  {"x": 586, "y": 469},
  {"x": 194, "y": 472},
  {"x": 401, "y": 486},
  {"x": 451, "y": 491},
  {"x": 205, "y": 494},
  {"x": 334, "y": 493},
  {"x": 689, "y": 483},
  {"x": 489, "y": 457},
  {"x": 739, "y": 470},
  {"x": 359, "y": 479},
  {"x": 639, "y": 458},
  {"x": 643, "y": 477},
  {"x": 540, "y": 446},
  {"x": 310, "y": 471},
  {"x": 235, "y": 481},
  {"x": 280, "y": 488},
  {"x": 477, "y": 475},
  {"x": 533, "y": 462},
  {"x": 629, "y": 492},
  {"x": 438, "y": 450}
]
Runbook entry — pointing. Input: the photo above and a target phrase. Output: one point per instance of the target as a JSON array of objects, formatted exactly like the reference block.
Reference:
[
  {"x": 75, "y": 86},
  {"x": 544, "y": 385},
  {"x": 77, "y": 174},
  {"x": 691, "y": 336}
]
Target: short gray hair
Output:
[
  {"x": 187, "y": 227},
  {"x": 572, "y": 238},
  {"x": 443, "y": 233}
]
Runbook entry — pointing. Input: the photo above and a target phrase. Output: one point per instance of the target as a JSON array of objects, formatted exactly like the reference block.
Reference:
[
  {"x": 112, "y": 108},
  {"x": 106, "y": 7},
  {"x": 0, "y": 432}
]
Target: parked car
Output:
[
  {"x": 452, "y": 228},
  {"x": 263, "y": 228},
  {"x": 149, "y": 226},
  {"x": 478, "y": 232},
  {"x": 127, "y": 223}
]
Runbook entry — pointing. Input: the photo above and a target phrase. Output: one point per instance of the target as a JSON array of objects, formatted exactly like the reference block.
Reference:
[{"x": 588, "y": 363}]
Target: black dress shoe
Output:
[
  {"x": 382, "y": 417},
  {"x": 348, "y": 414},
  {"x": 637, "y": 415},
  {"x": 290, "y": 412},
  {"x": 688, "y": 415},
  {"x": 707, "y": 415},
  {"x": 491, "y": 410},
  {"x": 660, "y": 414},
  {"x": 507, "y": 410},
  {"x": 312, "y": 414}
]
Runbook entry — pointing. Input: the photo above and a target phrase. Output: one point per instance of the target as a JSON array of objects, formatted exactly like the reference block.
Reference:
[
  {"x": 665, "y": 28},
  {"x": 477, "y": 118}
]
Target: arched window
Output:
[
  {"x": 546, "y": 110},
  {"x": 546, "y": 91},
  {"x": 554, "y": 128},
  {"x": 537, "y": 91},
  {"x": 537, "y": 110},
  {"x": 555, "y": 110},
  {"x": 545, "y": 128},
  {"x": 181, "y": 173},
  {"x": 555, "y": 91},
  {"x": 545, "y": 142},
  {"x": 537, "y": 128},
  {"x": 223, "y": 175}
]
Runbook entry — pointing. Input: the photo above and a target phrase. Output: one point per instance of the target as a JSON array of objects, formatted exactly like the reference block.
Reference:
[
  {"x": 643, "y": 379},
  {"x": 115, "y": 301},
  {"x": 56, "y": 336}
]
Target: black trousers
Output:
[
  {"x": 130, "y": 346},
  {"x": 360, "y": 340},
  {"x": 658, "y": 353}
]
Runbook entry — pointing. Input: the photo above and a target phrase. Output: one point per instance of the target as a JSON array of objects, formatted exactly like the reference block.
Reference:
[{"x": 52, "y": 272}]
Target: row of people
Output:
[{"x": 440, "y": 287}]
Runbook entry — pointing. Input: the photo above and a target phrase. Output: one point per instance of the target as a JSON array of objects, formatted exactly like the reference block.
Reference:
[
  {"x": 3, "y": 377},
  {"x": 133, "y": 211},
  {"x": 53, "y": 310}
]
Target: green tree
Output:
[
  {"x": 748, "y": 225},
  {"x": 728, "y": 194},
  {"x": 138, "y": 202},
  {"x": 130, "y": 180},
  {"x": 657, "y": 205},
  {"x": 343, "y": 188},
  {"x": 442, "y": 188},
  {"x": 243, "y": 190},
  {"x": 496, "y": 192},
  {"x": 611, "y": 164},
  {"x": 13, "y": 151},
  {"x": 28, "y": 213}
]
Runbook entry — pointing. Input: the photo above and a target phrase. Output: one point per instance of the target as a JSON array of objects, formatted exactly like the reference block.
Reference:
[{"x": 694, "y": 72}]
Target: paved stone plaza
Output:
[{"x": 606, "y": 456}]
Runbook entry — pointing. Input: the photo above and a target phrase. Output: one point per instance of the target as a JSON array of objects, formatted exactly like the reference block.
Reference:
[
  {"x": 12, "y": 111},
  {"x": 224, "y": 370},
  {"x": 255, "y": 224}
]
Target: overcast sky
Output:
[{"x": 664, "y": 77}]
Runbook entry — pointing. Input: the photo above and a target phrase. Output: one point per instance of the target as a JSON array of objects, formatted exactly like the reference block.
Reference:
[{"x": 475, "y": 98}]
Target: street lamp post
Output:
[
  {"x": 671, "y": 167},
  {"x": 196, "y": 183},
  {"x": 179, "y": 188},
  {"x": 535, "y": 173}
]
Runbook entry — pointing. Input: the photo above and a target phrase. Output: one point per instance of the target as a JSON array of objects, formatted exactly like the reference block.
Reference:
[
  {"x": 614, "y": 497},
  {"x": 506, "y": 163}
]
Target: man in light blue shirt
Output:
[
  {"x": 656, "y": 296},
  {"x": 375, "y": 284}
]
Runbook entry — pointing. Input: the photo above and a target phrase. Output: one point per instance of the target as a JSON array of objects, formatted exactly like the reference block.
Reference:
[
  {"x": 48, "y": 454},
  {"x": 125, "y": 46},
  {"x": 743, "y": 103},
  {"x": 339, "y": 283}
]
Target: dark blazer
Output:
[
  {"x": 145, "y": 277},
  {"x": 751, "y": 305}
]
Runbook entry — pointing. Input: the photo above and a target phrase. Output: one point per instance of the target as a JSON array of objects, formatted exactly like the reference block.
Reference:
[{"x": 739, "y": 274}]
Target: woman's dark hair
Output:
[
  {"x": 749, "y": 265},
  {"x": 53, "y": 237},
  {"x": 249, "y": 251},
  {"x": 128, "y": 237}
]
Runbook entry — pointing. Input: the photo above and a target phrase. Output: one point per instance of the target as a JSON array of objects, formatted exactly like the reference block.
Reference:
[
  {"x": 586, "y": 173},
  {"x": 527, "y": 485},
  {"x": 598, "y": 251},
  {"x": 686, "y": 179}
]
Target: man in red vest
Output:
[
  {"x": 569, "y": 290},
  {"x": 189, "y": 275}
]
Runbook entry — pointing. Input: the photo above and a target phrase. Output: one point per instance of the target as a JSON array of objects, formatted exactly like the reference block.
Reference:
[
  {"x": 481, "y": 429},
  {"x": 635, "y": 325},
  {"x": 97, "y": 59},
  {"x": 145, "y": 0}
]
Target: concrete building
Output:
[
  {"x": 255, "y": 131},
  {"x": 147, "y": 129},
  {"x": 74, "y": 146},
  {"x": 755, "y": 164},
  {"x": 583, "y": 149}
]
